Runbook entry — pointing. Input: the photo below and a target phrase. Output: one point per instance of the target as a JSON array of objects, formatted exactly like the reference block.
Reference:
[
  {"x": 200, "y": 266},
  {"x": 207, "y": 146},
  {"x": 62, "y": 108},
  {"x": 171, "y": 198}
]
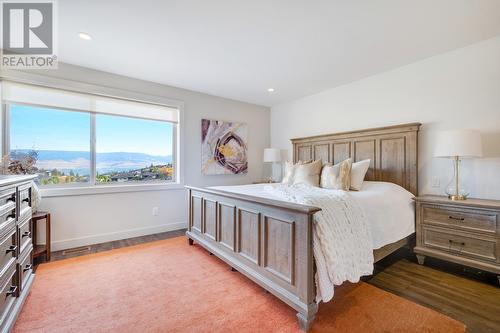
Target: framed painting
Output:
[{"x": 223, "y": 147}]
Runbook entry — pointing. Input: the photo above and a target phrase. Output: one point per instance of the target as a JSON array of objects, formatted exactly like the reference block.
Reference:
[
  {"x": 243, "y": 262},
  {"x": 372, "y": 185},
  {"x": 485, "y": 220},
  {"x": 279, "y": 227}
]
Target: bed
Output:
[{"x": 271, "y": 240}]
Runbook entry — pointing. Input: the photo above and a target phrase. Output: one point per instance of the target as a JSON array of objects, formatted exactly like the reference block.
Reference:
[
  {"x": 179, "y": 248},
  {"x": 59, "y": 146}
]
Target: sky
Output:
[{"x": 48, "y": 129}]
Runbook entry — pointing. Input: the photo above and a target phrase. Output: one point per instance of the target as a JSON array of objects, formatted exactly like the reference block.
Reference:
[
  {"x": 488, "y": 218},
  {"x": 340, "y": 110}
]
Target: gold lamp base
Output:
[
  {"x": 455, "y": 192},
  {"x": 457, "y": 197}
]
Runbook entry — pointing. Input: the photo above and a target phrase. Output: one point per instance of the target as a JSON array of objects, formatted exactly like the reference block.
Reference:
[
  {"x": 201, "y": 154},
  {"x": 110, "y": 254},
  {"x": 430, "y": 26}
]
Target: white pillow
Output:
[
  {"x": 290, "y": 171},
  {"x": 308, "y": 173},
  {"x": 336, "y": 176},
  {"x": 358, "y": 173}
]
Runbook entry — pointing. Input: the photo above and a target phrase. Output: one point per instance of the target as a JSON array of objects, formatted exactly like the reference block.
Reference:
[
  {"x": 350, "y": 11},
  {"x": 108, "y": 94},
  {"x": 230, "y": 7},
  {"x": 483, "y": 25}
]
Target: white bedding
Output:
[
  {"x": 341, "y": 236},
  {"x": 388, "y": 207}
]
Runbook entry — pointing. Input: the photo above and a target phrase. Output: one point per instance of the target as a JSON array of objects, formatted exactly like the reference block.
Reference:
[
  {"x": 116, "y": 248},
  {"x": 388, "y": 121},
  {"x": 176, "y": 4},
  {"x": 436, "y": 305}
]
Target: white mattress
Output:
[{"x": 389, "y": 208}]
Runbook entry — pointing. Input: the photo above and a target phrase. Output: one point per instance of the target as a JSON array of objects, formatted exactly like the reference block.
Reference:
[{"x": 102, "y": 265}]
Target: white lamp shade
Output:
[
  {"x": 462, "y": 143},
  {"x": 272, "y": 155}
]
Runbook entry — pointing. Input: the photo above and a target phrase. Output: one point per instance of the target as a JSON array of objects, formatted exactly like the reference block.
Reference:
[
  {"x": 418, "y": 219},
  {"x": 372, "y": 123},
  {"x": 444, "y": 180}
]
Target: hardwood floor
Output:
[
  {"x": 70, "y": 253},
  {"x": 468, "y": 295}
]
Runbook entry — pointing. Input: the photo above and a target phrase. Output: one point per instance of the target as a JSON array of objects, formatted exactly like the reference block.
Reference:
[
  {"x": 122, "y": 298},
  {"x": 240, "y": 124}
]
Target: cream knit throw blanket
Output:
[{"x": 342, "y": 242}]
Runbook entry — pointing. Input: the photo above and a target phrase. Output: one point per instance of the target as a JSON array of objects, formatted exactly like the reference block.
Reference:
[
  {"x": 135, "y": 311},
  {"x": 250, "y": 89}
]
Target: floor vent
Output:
[{"x": 76, "y": 250}]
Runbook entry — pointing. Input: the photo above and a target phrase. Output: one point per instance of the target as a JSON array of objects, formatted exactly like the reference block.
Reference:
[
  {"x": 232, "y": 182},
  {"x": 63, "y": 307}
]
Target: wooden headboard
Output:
[{"x": 392, "y": 150}]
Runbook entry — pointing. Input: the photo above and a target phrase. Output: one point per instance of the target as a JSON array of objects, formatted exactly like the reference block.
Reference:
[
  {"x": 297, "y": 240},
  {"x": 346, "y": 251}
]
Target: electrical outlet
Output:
[
  {"x": 155, "y": 211},
  {"x": 436, "y": 182}
]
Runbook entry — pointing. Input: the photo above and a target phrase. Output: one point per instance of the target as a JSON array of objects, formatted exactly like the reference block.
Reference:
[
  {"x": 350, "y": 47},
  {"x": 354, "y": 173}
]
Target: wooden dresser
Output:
[
  {"x": 465, "y": 232},
  {"x": 16, "y": 272}
]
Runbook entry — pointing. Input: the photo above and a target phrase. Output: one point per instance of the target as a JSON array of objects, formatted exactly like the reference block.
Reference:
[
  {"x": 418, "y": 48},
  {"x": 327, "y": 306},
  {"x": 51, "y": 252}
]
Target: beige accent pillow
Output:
[
  {"x": 308, "y": 173},
  {"x": 337, "y": 176},
  {"x": 358, "y": 173}
]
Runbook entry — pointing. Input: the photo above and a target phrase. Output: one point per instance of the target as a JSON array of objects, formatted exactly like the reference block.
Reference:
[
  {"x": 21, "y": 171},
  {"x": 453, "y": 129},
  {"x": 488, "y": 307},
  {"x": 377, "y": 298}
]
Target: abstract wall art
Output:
[{"x": 223, "y": 147}]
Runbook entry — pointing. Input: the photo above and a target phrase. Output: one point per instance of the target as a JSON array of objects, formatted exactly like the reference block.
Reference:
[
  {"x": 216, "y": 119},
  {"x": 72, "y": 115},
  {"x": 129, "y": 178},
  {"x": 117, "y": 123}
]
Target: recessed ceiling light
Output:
[
  {"x": 84, "y": 35},
  {"x": 271, "y": 90}
]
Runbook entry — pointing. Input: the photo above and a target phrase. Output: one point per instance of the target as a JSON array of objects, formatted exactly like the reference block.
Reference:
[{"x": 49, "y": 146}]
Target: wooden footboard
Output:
[{"x": 268, "y": 241}]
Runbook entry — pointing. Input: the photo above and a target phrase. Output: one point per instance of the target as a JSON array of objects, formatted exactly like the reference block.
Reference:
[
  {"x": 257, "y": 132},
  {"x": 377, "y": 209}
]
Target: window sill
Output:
[{"x": 59, "y": 191}]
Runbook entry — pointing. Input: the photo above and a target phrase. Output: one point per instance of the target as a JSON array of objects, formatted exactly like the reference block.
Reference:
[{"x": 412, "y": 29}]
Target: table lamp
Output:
[
  {"x": 272, "y": 155},
  {"x": 457, "y": 145}
]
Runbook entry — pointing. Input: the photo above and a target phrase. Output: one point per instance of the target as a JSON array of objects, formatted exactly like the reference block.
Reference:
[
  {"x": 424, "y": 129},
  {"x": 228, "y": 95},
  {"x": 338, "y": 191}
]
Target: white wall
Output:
[
  {"x": 459, "y": 89},
  {"x": 87, "y": 219}
]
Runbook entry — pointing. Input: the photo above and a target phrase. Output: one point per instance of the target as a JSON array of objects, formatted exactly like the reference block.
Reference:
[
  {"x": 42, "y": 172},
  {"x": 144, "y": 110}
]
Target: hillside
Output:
[{"x": 66, "y": 160}]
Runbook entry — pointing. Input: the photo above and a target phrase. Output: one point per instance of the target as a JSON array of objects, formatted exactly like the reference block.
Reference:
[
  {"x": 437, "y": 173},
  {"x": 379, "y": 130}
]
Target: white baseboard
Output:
[{"x": 112, "y": 236}]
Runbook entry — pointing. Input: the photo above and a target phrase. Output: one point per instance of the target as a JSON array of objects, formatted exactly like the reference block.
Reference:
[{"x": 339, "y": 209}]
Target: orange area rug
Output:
[{"x": 169, "y": 286}]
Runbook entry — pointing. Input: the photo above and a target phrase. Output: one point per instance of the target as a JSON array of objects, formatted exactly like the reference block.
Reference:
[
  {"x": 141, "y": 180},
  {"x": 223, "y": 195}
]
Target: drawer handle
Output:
[
  {"x": 458, "y": 243},
  {"x": 11, "y": 248},
  {"x": 456, "y": 218},
  {"x": 27, "y": 267},
  {"x": 26, "y": 200},
  {"x": 12, "y": 198},
  {"x": 12, "y": 291},
  {"x": 11, "y": 216},
  {"x": 26, "y": 234}
]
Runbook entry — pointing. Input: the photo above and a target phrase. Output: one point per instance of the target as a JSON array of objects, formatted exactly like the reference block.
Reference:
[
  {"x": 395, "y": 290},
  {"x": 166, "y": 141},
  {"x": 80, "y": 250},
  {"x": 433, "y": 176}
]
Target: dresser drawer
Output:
[
  {"x": 24, "y": 214},
  {"x": 7, "y": 221},
  {"x": 8, "y": 293},
  {"x": 465, "y": 219},
  {"x": 24, "y": 236},
  {"x": 461, "y": 244},
  {"x": 7, "y": 198},
  {"x": 25, "y": 268},
  {"x": 24, "y": 197},
  {"x": 8, "y": 250}
]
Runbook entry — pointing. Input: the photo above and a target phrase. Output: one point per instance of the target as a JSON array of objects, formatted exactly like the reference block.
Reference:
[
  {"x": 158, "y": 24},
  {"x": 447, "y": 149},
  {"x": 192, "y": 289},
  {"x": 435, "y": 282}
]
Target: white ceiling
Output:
[{"x": 238, "y": 49}]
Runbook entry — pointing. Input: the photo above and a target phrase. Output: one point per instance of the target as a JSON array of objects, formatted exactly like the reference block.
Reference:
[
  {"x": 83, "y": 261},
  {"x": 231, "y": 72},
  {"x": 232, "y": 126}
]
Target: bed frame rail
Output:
[{"x": 268, "y": 241}]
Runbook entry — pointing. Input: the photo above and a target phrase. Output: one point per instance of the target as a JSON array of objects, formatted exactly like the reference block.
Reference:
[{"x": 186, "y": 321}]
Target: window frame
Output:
[{"x": 92, "y": 187}]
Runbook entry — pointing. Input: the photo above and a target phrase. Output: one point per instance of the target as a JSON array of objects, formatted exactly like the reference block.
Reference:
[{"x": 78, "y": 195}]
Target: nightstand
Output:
[
  {"x": 40, "y": 250},
  {"x": 464, "y": 232}
]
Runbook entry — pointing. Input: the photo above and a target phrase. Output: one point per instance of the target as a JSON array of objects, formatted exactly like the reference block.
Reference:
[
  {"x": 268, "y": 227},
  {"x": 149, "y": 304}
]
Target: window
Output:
[
  {"x": 144, "y": 156},
  {"x": 77, "y": 139},
  {"x": 56, "y": 142}
]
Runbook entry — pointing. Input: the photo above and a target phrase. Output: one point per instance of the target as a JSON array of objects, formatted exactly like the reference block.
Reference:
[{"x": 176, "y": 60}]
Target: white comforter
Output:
[{"x": 342, "y": 242}]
